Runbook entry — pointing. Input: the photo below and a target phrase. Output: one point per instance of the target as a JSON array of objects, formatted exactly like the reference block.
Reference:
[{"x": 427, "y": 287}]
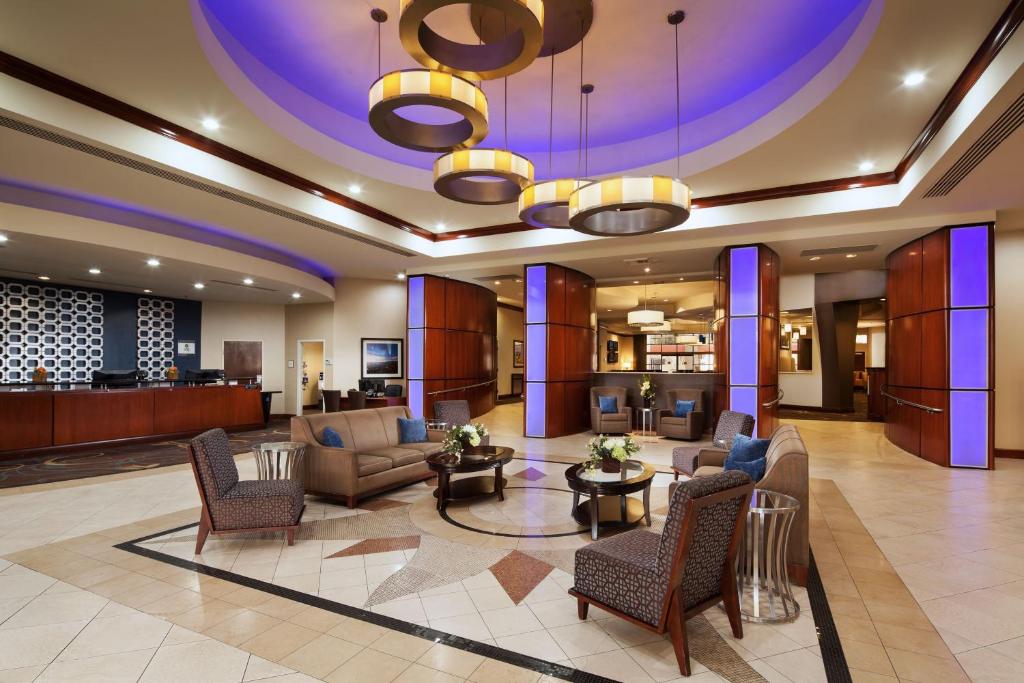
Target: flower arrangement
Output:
[
  {"x": 611, "y": 451},
  {"x": 461, "y": 437},
  {"x": 646, "y": 388}
]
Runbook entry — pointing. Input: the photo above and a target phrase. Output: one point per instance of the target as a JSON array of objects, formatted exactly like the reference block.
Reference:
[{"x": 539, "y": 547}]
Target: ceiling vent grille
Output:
[
  {"x": 839, "y": 250},
  {"x": 181, "y": 179},
  {"x": 498, "y": 278},
  {"x": 1003, "y": 127}
]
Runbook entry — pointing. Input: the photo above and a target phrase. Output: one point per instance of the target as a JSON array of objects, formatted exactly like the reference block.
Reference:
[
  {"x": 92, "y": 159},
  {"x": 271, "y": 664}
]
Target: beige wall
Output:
[
  {"x": 626, "y": 359},
  {"x": 510, "y": 328},
  {"x": 364, "y": 308},
  {"x": 801, "y": 388},
  {"x": 1009, "y": 371},
  {"x": 311, "y": 322},
  {"x": 247, "y": 322}
]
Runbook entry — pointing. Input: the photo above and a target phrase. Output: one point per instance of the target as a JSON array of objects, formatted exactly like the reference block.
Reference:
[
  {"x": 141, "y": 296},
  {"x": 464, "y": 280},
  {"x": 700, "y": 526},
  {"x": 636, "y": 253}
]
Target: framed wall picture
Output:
[
  {"x": 517, "y": 353},
  {"x": 186, "y": 348},
  {"x": 382, "y": 358}
]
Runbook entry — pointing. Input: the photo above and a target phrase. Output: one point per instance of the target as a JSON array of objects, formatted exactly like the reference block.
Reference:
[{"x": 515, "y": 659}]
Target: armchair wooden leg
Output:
[
  {"x": 290, "y": 535},
  {"x": 731, "y": 601},
  {"x": 581, "y": 608},
  {"x": 202, "y": 533},
  {"x": 677, "y": 629},
  {"x": 351, "y": 501}
]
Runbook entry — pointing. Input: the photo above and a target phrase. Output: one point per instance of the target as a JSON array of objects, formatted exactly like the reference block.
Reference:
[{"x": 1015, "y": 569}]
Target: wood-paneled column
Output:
[
  {"x": 746, "y": 331},
  {"x": 451, "y": 337},
  {"x": 561, "y": 317},
  {"x": 940, "y": 360}
]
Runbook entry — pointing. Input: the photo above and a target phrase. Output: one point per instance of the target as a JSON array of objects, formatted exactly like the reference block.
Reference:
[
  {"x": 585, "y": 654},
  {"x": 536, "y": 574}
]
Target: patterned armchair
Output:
[
  {"x": 690, "y": 427},
  {"x": 658, "y": 582},
  {"x": 609, "y": 423},
  {"x": 455, "y": 414},
  {"x": 730, "y": 423},
  {"x": 230, "y": 505}
]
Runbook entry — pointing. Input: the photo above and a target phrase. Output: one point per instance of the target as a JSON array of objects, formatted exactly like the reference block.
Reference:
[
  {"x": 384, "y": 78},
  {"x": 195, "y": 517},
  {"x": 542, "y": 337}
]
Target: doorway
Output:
[{"x": 310, "y": 376}]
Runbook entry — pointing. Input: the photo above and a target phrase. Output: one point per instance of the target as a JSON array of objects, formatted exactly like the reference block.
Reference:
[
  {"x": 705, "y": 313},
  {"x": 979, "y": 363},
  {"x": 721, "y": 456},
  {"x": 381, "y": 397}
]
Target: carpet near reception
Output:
[{"x": 391, "y": 591}]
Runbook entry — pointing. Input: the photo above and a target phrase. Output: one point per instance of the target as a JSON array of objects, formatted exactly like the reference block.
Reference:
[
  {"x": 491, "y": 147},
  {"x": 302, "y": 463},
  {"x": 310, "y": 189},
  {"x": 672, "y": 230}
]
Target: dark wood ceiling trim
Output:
[
  {"x": 510, "y": 307},
  {"x": 1005, "y": 27},
  {"x": 1008, "y": 23},
  {"x": 59, "y": 85}
]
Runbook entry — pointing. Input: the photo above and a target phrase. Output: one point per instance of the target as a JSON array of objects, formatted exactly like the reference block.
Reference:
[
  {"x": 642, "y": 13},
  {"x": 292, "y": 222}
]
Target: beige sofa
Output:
[
  {"x": 372, "y": 460},
  {"x": 786, "y": 472}
]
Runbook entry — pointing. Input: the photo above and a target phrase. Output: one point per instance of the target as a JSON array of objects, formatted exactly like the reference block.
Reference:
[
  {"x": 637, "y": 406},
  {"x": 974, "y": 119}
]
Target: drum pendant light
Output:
[{"x": 645, "y": 317}]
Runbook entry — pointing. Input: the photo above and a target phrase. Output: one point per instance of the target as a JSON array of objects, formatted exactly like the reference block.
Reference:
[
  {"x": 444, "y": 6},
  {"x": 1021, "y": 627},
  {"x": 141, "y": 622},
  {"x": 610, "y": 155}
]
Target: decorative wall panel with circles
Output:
[
  {"x": 60, "y": 328},
  {"x": 155, "y": 336}
]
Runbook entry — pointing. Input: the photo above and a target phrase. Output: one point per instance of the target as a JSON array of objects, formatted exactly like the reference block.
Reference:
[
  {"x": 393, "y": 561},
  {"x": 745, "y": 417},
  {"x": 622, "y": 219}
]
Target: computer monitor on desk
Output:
[{"x": 372, "y": 387}]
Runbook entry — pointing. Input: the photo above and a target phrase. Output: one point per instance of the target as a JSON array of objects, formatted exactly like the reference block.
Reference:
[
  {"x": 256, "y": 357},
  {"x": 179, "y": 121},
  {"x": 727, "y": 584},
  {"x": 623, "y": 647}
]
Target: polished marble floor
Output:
[{"x": 923, "y": 567}]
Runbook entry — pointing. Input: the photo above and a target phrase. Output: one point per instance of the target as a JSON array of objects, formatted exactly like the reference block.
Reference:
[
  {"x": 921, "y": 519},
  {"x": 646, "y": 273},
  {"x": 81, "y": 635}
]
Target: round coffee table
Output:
[
  {"x": 603, "y": 510},
  {"x": 476, "y": 459}
]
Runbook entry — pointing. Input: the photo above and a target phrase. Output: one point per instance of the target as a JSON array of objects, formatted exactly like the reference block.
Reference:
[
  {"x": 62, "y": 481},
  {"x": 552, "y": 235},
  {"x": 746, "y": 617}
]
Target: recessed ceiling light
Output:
[
  {"x": 147, "y": 291},
  {"x": 518, "y": 280},
  {"x": 882, "y": 299},
  {"x": 815, "y": 258},
  {"x": 608, "y": 310},
  {"x": 153, "y": 263},
  {"x": 851, "y": 256},
  {"x": 647, "y": 269},
  {"x": 95, "y": 271},
  {"x": 210, "y": 123},
  {"x": 440, "y": 225},
  {"x": 664, "y": 301},
  {"x": 354, "y": 189},
  {"x": 3, "y": 238},
  {"x": 199, "y": 285},
  {"x": 497, "y": 282},
  {"x": 401, "y": 276},
  {"x": 247, "y": 281},
  {"x": 636, "y": 282},
  {"x": 681, "y": 279},
  {"x": 913, "y": 78},
  {"x": 296, "y": 295},
  {"x": 866, "y": 165},
  {"x": 44, "y": 277}
]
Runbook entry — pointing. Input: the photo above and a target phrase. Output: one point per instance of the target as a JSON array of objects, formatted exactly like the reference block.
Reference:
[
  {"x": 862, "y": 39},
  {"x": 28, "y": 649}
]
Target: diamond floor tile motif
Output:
[{"x": 519, "y": 574}]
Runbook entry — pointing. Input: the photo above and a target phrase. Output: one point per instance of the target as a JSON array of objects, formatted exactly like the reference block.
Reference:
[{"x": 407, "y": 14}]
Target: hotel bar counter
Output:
[
  {"x": 48, "y": 417},
  {"x": 663, "y": 382}
]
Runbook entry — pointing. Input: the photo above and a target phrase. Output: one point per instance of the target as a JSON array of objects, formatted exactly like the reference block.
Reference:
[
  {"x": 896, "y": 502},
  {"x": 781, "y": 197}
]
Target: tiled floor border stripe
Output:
[
  {"x": 831, "y": 648},
  {"x": 491, "y": 651}
]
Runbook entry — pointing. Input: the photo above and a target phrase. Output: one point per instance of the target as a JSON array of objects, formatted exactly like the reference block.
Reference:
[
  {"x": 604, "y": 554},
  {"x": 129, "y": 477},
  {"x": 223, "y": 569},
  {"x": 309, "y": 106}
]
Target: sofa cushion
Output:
[
  {"x": 331, "y": 438},
  {"x": 398, "y": 456},
  {"x": 412, "y": 430},
  {"x": 389, "y": 418},
  {"x": 254, "y": 504},
  {"x": 425, "y": 447},
  {"x": 707, "y": 470},
  {"x": 683, "y": 408},
  {"x": 336, "y": 421},
  {"x": 371, "y": 464},
  {"x": 608, "y": 404},
  {"x": 367, "y": 427}
]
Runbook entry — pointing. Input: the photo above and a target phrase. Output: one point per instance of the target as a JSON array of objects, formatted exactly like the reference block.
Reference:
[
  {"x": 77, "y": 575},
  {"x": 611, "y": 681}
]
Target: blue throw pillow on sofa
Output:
[
  {"x": 330, "y": 437},
  {"x": 684, "y": 408},
  {"x": 608, "y": 404},
  {"x": 412, "y": 430},
  {"x": 753, "y": 468},
  {"x": 746, "y": 448}
]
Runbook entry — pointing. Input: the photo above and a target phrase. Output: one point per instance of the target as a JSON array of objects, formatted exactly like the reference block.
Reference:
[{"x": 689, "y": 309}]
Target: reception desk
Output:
[{"x": 63, "y": 418}]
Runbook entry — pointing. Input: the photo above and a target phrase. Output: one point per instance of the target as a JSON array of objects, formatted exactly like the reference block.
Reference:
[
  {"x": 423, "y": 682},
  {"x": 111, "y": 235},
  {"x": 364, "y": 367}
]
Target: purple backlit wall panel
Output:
[
  {"x": 968, "y": 266},
  {"x": 416, "y": 397},
  {"x": 536, "y": 409},
  {"x": 743, "y": 277},
  {"x": 536, "y": 317},
  {"x": 968, "y": 429},
  {"x": 743, "y": 333},
  {"x": 536, "y": 356},
  {"x": 415, "y": 317},
  {"x": 415, "y": 353},
  {"x": 744, "y": 400},
  {"x": 968, "y": 348},
  {"x": 536, "y": 294}
]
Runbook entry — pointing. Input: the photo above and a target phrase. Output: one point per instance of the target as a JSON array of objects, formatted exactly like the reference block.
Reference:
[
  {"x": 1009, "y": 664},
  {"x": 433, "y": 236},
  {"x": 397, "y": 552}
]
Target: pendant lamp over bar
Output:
[
  {"x": 502, "y": 176},
  {"x": 485, "y": 61},
  {"x": 645, "y": 317},
  {"x": 399, "y": 89}
]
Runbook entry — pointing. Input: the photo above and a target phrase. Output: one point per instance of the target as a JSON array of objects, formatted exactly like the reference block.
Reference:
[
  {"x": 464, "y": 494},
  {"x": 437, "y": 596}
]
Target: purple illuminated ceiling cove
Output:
[
  {"x": 968, "y": 266},
  {"x": 743, "y": 281}
]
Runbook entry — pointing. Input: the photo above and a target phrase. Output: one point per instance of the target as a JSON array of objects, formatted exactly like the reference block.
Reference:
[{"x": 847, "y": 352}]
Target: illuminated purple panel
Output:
[
  {"x": 536, "y": 408},
  {"x": 743, "y": 281},
  {"x": 744, "y": 400},
  {"x": 968, "y": 428},
  {"x": 415, "y": 317},
  {"x": 537, "y": 294},
  {"x": 968, "y": 266},
  {"x": 968, "y": 348},
  {"x": 743, "y": 351},
  {"x": 416, "y": 354},
  {"x": 536, "y": 353},
  {"x": 416, "y": 397}
]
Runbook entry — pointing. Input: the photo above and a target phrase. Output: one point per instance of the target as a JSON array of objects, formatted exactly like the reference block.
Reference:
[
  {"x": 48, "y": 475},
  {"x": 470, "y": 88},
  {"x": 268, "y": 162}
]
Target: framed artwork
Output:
[
  {"x": 186, "y": 348},
  {"x": 382, "y": 358},
  {"x": 517, "y": 353}
]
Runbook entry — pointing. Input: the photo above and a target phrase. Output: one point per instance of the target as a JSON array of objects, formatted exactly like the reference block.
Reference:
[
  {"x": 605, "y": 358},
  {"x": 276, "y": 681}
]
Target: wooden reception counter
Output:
[{"x": 41, "y": 418}]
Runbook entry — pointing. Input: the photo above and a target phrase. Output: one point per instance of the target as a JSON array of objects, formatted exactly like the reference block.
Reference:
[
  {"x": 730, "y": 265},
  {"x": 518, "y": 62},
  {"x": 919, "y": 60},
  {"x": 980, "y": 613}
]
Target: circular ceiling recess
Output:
[{"x": 748, "y": 71}]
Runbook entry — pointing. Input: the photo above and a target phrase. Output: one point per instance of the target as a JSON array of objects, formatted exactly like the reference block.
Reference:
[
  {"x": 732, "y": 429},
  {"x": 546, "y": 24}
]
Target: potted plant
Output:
[
  {"x": 459, "y": 438},
  {"x": 647, "y": 390},
  {"x": 611, "y": 451}
]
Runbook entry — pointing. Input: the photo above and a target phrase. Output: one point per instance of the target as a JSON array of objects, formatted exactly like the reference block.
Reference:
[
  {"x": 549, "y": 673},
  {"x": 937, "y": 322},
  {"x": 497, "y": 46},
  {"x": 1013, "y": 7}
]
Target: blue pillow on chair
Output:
[
  {"x": 412, "y": 430},
  {"x": 608, "y": 404},
  {"x": 332, "y": 438},
  {"x": 754, "y": 468},
  {"x": 684, "y": 408}
]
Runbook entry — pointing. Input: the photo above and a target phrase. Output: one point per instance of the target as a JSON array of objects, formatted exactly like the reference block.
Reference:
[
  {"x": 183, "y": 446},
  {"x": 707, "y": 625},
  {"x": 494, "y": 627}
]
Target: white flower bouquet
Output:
[
  {"x": 461, "y": 437},
  {"x": 609, "y": 452}
]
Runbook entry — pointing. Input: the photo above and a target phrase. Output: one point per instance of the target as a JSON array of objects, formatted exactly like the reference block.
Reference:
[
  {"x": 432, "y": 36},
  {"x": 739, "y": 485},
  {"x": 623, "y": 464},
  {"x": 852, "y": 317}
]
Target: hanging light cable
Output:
[{"x": 627, "y": 205}]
